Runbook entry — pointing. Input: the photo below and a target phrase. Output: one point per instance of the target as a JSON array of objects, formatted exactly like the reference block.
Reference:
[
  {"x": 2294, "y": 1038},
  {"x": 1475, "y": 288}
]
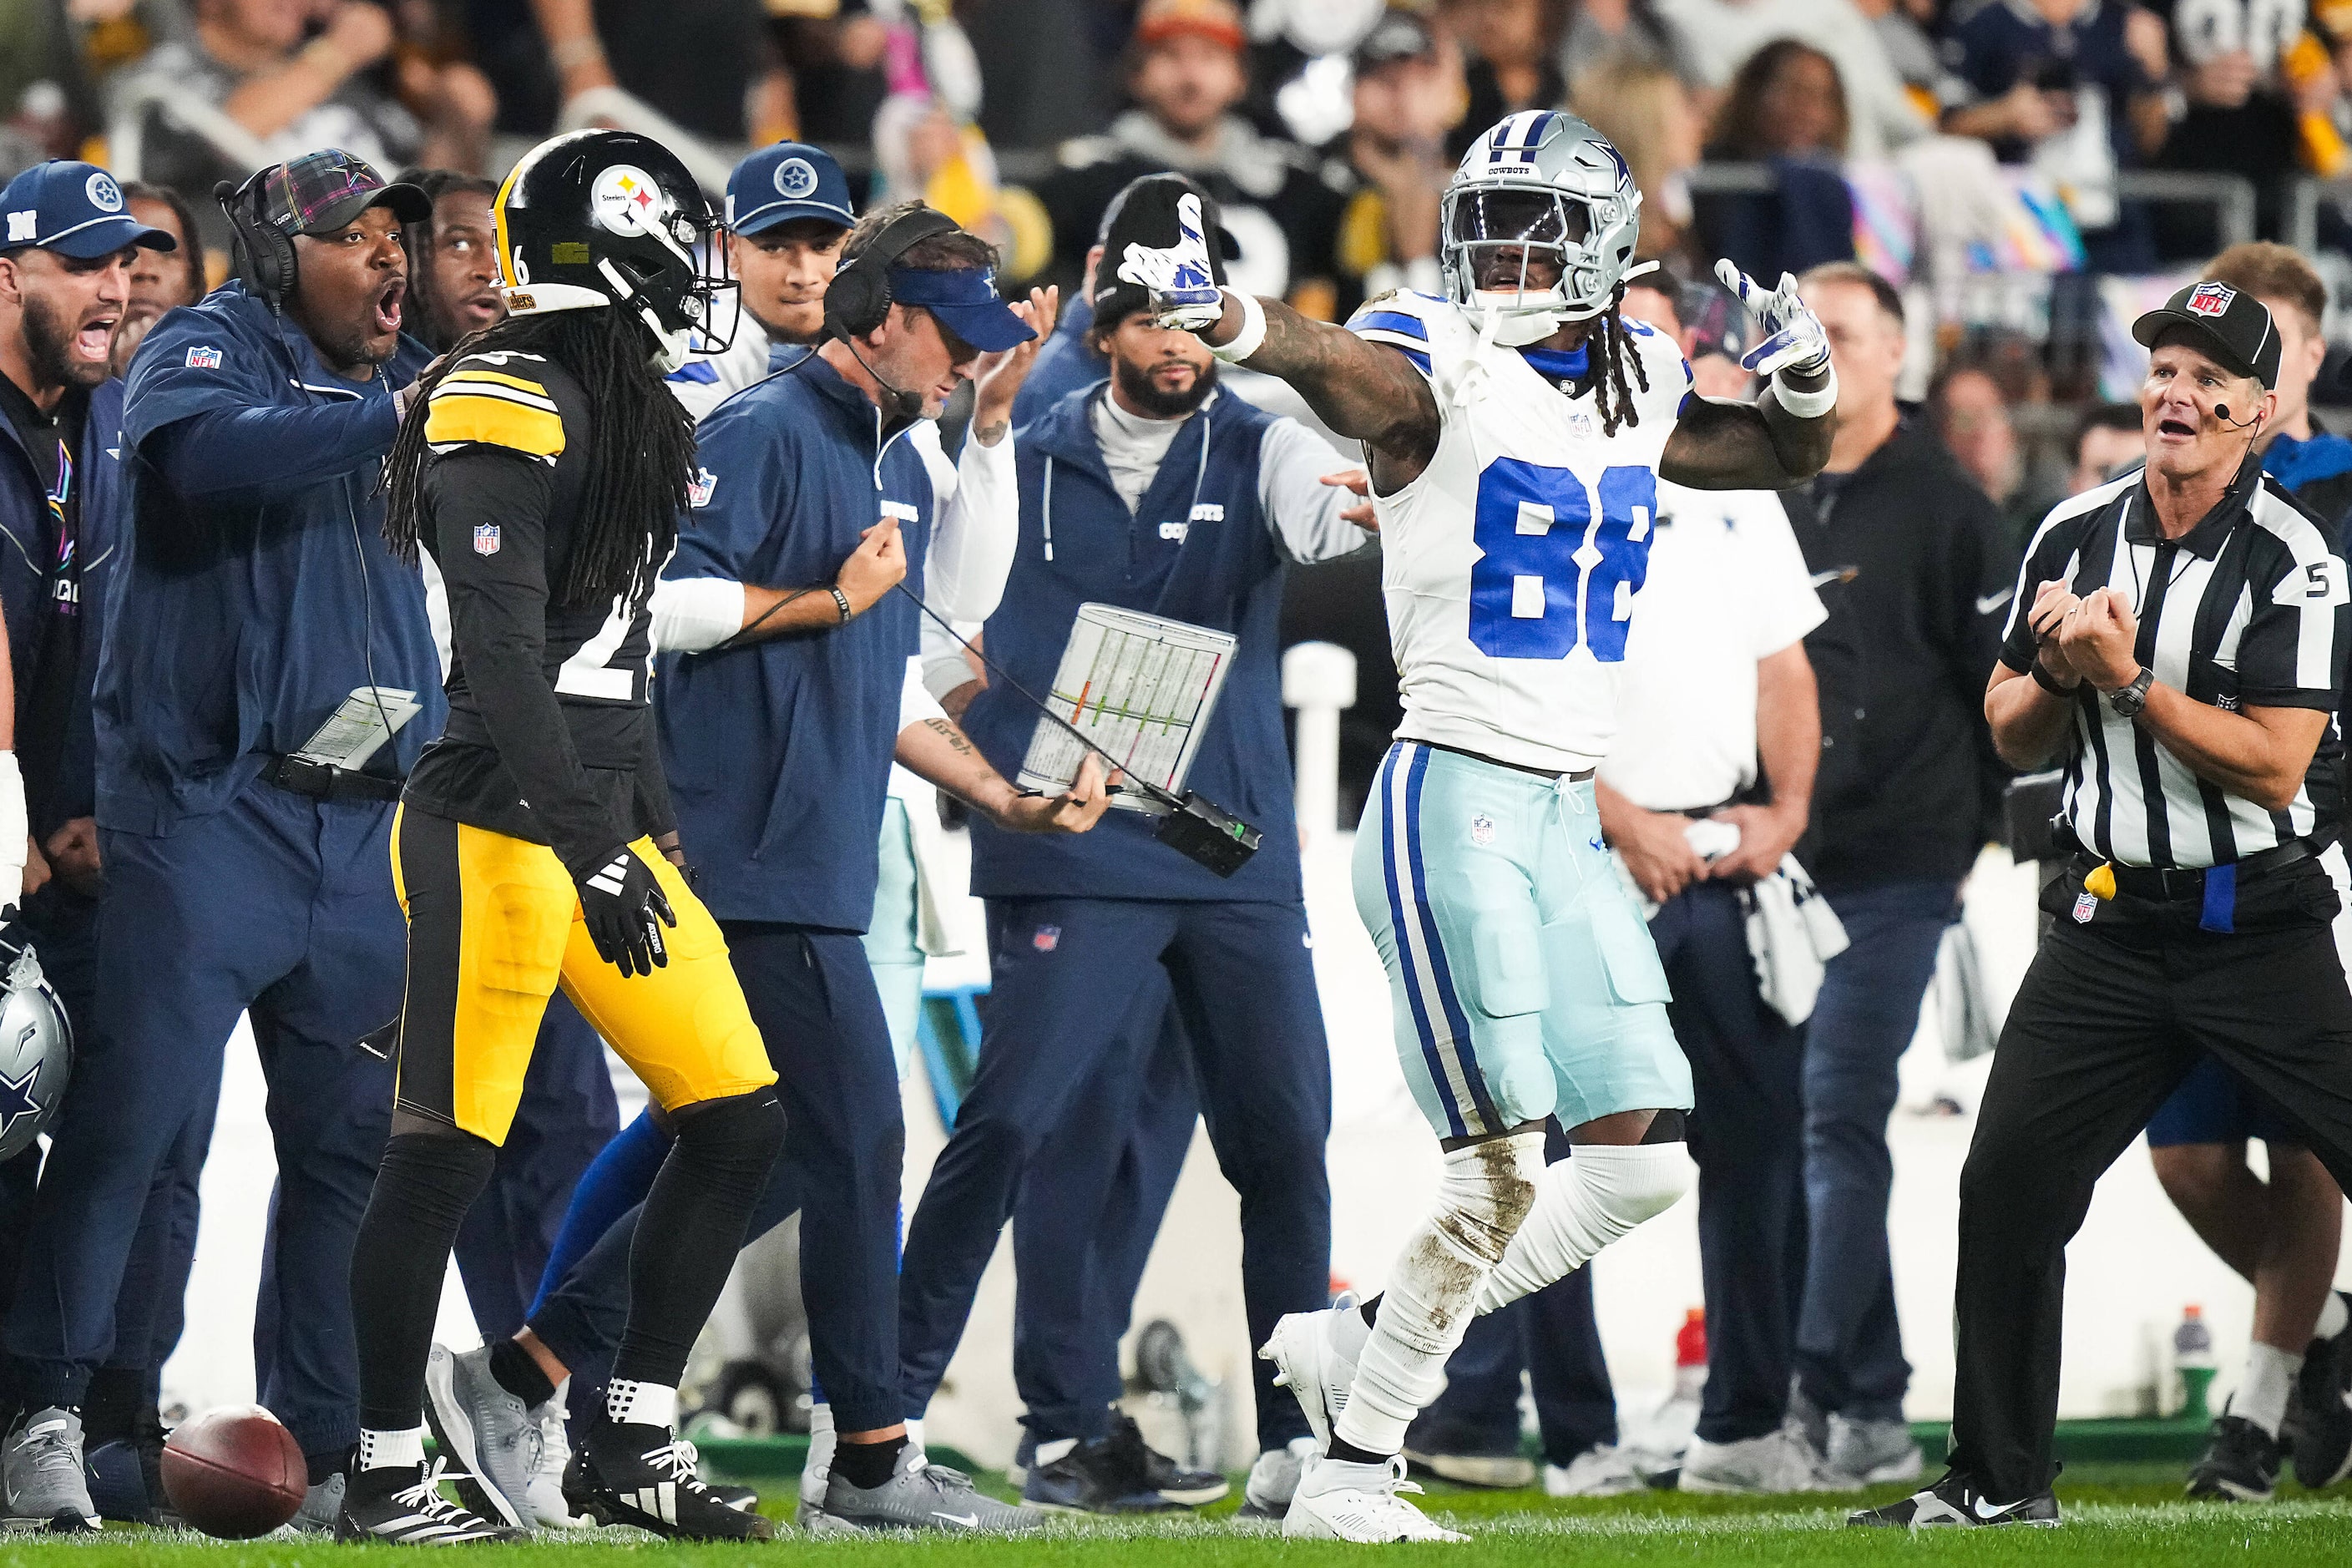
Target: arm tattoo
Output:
[
  {"x": 954, "y": 737},
  {"x": 1743, "y": 447},
  {"x": 1361, "y": 389}
]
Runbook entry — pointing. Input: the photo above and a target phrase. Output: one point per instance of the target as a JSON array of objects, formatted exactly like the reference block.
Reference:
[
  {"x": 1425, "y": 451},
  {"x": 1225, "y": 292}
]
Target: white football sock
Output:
[
  {"x": 2333, "y": 1318},
  {"x": 1485, "y": 1192},
  {"x": 2261, "y": 1395},
  {"x": 390, "y": 1450},
  {"x": 1583, "y": 1204},
  {"x": 632, "y": 1403},
  {"x": 817, "y": 1468}
]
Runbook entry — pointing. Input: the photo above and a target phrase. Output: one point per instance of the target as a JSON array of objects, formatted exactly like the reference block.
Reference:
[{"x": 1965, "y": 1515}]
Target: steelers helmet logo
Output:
[
  {"x": 626, "y": 200},
  {"x": 103, "y": 193},
  {"x": 796, "y": 179}
]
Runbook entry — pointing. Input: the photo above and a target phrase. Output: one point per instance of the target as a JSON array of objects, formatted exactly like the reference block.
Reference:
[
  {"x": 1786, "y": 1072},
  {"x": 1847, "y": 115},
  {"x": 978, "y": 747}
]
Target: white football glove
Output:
[
  {"x": 1793, "y": 338},
  {"x": 14, "y": 835},
  {"x": 1178, "y": 279}
]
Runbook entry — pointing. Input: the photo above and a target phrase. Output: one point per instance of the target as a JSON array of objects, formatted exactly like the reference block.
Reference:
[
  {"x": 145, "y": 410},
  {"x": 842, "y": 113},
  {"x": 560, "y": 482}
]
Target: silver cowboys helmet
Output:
[
  {"x": 1541, "y": 184},
  {"x": 35, "y": 1050}
]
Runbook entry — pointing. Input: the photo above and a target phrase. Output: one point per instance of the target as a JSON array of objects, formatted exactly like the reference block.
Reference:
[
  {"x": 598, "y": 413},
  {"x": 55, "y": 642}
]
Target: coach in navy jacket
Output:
[{"x": 1155, "y": 492}]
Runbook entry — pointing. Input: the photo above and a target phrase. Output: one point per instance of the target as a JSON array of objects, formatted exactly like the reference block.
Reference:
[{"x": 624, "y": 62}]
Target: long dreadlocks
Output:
[
  {"x": 1611, "y": 349},
  {"x": 641, "y": 448}
]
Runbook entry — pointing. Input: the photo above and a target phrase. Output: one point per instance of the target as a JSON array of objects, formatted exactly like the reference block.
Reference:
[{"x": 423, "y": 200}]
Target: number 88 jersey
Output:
[{"x": 1511, "y": 564}]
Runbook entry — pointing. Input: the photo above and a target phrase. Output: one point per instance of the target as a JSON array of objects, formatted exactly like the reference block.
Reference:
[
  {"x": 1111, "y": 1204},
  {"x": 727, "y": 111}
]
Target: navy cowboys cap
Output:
[
  {"x": 2228, "y": 324},
  {"x": 790, "y": 180},
  {"x": 75, "y": 209}
]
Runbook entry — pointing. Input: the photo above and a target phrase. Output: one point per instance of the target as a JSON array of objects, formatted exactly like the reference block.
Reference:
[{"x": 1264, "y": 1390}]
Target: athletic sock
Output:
[
  {"x": 512, "y": 1368},
  {"x": 422, "y": 1188},
  {"x": 692, "y": 1228},
  {"x": 1583, "y": 1203},
  {"x": 325, "y": 1464},
  {"x": 2333, "y": 1318},
  {"x": 2261, "y": 1395},
  {"x": 1347, "y": 1453},
  {"x": 1371, "y": 1312},
  {"x": 385, "y": 1461},
  {"x": 110, "y": 1408},
  {"x": 629, "y": 1403},
  {"x": 868, "y": 1465}
]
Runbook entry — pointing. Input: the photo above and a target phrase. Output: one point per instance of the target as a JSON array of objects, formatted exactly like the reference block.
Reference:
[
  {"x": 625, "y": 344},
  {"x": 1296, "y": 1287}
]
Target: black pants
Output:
[{"x": 2111, "y": 1017}]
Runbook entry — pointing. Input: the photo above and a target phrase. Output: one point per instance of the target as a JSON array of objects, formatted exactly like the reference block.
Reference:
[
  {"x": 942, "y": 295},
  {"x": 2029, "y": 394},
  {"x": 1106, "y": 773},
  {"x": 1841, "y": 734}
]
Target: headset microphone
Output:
[
  {"x": 2221, "y": 412},
  {"x": 903, "y": 404}
]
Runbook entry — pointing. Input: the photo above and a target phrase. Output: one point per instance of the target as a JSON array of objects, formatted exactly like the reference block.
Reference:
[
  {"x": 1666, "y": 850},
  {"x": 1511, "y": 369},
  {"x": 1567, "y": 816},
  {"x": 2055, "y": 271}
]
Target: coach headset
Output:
[{"x": 858, "y": 300}]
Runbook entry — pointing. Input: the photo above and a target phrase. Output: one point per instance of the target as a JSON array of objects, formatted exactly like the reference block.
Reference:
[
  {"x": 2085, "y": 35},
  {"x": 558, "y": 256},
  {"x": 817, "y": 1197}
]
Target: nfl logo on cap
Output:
[{"x": 2211, "y": 300}]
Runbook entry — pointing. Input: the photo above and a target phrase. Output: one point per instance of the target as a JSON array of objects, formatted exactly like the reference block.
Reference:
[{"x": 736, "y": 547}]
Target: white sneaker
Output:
[
  {"x": 1873, "y": 1451},
  {"x": 1273, "y": 1479},
  {"x": 1313, "y": 1355},
  {"x": 1602, "y": 1470},
  {"x": 1337, "y": 1500},
  {"x": 1780, "y": 1462},
  {"x": 543, "y": 1494}
]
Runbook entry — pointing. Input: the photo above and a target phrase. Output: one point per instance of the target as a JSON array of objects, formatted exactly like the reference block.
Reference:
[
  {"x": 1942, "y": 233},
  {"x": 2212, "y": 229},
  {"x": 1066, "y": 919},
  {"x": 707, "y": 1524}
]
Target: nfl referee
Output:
[{"x": 2177, "y": 640}]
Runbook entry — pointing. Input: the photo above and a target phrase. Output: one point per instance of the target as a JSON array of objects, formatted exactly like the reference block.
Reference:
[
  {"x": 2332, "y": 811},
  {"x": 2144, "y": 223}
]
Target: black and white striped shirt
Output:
[{"x": 2246, "y": 610}]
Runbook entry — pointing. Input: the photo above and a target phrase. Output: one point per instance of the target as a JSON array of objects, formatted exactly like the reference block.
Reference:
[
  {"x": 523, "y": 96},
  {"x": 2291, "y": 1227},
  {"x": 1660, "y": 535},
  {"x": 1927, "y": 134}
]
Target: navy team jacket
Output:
[
  {"x": 779, "y": 752},
  {"x": 1198, "y": 549}
]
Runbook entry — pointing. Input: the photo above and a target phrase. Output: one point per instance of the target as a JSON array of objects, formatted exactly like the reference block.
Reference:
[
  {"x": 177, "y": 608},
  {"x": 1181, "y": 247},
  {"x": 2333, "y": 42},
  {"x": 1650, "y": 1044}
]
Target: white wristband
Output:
[
  {"x": 1806, "y": 405},
  {"x": 12, "y": 831},
  {"x": 1251, "y": 338}
]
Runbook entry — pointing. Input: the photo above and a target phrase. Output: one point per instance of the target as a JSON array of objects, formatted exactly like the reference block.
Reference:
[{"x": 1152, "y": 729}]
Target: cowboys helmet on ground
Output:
[
  {"x": 611, "y": 218},
  {"x": 36, "y": 1049},
  {"x": 1540, "y": 184}
]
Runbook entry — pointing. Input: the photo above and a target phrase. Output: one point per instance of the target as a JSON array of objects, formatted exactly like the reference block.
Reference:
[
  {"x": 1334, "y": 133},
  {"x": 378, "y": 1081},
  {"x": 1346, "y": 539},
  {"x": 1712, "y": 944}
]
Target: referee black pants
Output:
[{"x": 2110, "y": 1018}]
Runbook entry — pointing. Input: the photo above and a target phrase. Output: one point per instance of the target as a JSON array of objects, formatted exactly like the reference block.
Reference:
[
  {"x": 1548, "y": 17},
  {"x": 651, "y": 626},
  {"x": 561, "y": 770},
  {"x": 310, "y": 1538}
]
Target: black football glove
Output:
[{"x": 625, "y": 911}]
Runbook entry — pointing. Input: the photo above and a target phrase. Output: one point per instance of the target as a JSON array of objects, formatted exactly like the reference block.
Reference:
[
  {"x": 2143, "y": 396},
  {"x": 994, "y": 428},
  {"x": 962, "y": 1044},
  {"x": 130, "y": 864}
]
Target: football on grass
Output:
[{"x": 235, "y": 1472}]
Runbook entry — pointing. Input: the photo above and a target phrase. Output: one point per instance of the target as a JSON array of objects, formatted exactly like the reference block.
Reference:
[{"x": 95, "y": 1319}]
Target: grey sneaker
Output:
[
  {"x": 1873, "y": 1451},
  {"x": 42, "y": 1468},
  {"x": 321, "y": 1504},
  {"x": 923, "y": 1496},
  {"x": 488, "y": 1433},
  {"x": 1776, "y": 1464},
  {"x": 1273, "y": 1479}
]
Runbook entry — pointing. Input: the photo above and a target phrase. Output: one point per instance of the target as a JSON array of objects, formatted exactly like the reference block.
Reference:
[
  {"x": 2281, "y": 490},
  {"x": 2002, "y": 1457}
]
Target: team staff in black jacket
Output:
[{"x": 1905, "y": 796}]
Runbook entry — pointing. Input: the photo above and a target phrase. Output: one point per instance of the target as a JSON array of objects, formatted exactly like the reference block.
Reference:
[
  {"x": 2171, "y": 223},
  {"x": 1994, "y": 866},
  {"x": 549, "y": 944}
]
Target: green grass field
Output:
[{"x": 2117, "y": 1517}]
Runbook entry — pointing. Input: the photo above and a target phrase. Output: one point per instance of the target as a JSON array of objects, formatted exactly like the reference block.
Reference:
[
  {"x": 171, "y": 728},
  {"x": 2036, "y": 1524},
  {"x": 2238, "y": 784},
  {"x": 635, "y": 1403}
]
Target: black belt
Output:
[
  {"x": 2163, "y": 884},
  {"x": 324, "y": 781},
  {"x": 1549, "y": 775}
]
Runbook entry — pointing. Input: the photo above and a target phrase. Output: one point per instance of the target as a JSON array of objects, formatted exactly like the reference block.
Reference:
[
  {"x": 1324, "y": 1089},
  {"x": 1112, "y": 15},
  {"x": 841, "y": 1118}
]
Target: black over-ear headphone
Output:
[
  {"x": 858, "y": 299},
  {"x": 268, "y": 253}
]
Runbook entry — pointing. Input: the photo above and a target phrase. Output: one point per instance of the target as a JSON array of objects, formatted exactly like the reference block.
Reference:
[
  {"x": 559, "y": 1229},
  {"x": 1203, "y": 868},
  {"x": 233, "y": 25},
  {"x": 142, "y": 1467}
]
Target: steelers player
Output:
[{"x": 545, "y": 474}]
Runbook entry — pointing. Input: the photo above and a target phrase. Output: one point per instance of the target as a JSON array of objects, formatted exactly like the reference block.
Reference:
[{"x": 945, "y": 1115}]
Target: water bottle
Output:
[
  {"x": 2192, "y": 1356},
  {"x": 1690, "y": 1355}
]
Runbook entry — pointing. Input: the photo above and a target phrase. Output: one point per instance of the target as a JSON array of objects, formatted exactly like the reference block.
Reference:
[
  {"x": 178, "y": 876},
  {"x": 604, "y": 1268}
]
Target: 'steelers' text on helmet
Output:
[
  {"x": 611, "y": 218},
  {"x": 1541, "y": 190},
  {"x": 35, "y": 1050}
]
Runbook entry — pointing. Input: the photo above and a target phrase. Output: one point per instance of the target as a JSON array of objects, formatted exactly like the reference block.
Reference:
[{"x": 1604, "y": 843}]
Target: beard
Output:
[
  {"x": 354, "y": 347},
  {"x": 1136, "y": 386},
  {"x": 48, "y": 342}
]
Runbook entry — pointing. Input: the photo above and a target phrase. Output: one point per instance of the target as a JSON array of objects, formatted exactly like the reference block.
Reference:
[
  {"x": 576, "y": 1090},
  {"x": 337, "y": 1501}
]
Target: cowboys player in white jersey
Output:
[{"x": 1516, "y": 429}]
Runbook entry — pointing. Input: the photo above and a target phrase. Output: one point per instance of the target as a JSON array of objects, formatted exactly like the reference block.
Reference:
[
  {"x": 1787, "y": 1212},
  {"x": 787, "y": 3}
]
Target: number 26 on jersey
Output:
[{"x": 1561, "y": 562}]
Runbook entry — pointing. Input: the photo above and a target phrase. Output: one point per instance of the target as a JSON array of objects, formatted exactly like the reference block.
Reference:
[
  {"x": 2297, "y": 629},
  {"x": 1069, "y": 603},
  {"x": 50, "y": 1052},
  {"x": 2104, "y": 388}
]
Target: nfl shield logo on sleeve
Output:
[
  {"x": 2211, "y": 300},
  {"x": 486, "y": 539},
  {"x": 698, "y": 489},
  {"x": 2085, "y": 905},
  {"x": 204, "y": 358}
]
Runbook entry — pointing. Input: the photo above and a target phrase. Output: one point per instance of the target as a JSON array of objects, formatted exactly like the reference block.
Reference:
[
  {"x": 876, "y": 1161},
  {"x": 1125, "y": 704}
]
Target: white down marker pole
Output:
[{"x": 1318, "y": 679}]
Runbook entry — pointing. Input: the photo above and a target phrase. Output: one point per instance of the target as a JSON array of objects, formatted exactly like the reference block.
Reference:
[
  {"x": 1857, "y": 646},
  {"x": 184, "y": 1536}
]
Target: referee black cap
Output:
[{"x": 2228, "y": 324}]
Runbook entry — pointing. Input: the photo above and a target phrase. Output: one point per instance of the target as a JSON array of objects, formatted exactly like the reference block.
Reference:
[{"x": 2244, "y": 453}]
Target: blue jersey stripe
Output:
[
  {"x": 1390, "y": 321},
  {"x": 699, "y": 370},
  {"x": 1404, "y": 930},
  {"x": 1462, "y": 1048}
]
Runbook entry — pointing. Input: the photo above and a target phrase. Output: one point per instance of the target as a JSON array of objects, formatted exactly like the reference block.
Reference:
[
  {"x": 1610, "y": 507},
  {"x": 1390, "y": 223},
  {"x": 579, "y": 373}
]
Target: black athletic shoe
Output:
[
  {"x": 643, "y": 1475},
  {"x": 2240, "y": 1464},
  {"x": 1955, "y": 1501},
  {"x": 1092, "y": 1477},
  {"x": 1158, "y": 1473},
  {"x": 2318, "y": 1427},
  {"x": 415, "y": 1515},
  {"x": 742, "y": 1500}
]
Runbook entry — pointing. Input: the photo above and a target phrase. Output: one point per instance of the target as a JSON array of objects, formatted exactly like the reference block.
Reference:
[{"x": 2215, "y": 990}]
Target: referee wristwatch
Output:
[{"x": 2131, "y": 701}]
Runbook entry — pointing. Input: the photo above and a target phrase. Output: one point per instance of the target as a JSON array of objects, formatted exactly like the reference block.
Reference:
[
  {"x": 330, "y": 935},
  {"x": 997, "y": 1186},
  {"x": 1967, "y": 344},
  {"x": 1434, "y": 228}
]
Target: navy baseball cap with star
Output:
[
  {"x": 75, "y": 209},
  {"x": 790, "y": 180}
]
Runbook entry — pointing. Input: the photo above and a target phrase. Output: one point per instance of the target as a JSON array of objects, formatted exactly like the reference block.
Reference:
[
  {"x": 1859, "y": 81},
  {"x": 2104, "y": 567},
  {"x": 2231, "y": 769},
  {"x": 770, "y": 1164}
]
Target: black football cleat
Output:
[
  {"x": 1955, "y": 1501},
  {"x": 1159, "y": 1473},
  {"x": 2240, "y": 1464},
  {"x": 415, "y": 1515},
  {"x": 2318, "y": 1427},
  {"x": 644, "y": 1476}
]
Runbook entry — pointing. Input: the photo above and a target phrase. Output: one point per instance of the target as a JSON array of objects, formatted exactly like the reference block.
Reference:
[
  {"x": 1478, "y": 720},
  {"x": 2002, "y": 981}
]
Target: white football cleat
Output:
[
  {"x": 1337, "y": 1500},
  {"x": 545, "y": 1493},
  {"x": 1313, "y": 1357}
]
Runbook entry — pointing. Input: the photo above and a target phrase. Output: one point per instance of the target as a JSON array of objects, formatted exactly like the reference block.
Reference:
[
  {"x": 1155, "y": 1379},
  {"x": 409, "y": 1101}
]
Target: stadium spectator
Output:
[
  {"x": 2250, "y": 78},
  {"x": 1650, "y": 116},
  {"x": 2107, "y": 442},
  {"x": 1513, "y": 59},
  {"x": 2281, "y": 1234},
  {"x": 2072, "y": 87},
  {"x": 1787, "y": 108},
  {"x": 1185, "y": 73},
  {"x": 1616, "y": 32},
  {"x": 1909, "y": 49},
  {"x": 695, "y": 62},
  {"x": 1408, "y": 95},
  {"x": 1971, "y": 418},
  {"x": 1718, "y": 37},
  {"x": 161, "y": 281},
  {"x": 1905, "y": 801}
]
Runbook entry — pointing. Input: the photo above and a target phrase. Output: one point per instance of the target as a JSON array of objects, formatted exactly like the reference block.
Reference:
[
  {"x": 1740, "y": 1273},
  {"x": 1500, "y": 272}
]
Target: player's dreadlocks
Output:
[
  {"x": 641, "y": 447},
  {"x": 1610, "y": 347}
]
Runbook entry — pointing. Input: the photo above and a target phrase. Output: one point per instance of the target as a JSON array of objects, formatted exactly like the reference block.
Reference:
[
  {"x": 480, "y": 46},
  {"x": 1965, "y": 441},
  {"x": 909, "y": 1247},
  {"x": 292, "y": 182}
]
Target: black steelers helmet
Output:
[{"x": 611, "y": 218}]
